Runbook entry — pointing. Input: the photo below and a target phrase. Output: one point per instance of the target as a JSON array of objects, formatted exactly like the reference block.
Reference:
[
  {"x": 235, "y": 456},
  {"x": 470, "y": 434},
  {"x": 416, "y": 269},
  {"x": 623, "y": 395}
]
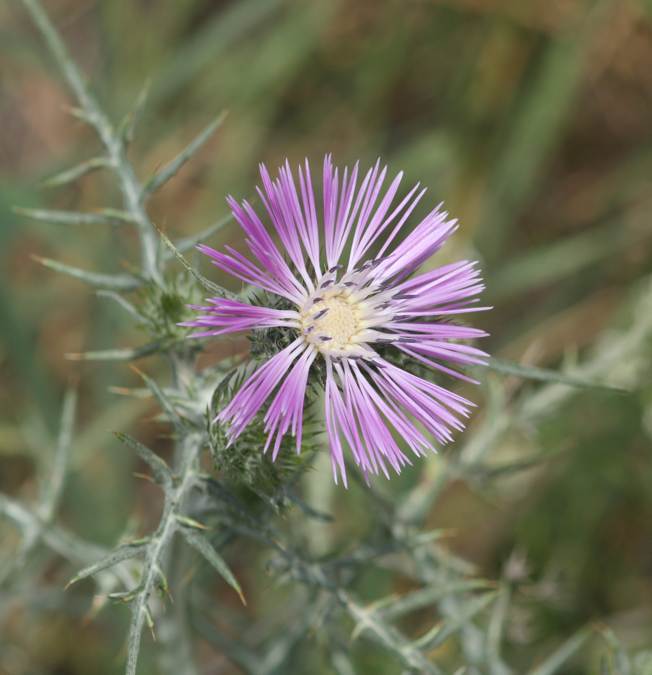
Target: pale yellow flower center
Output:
[{"x": 333, "y": 322}]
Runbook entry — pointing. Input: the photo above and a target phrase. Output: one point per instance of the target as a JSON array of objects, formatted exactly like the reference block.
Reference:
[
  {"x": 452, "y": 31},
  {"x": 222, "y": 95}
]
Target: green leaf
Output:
[
  {"x": 199, "y": 542},
  {"x": 118, "y": 216},
  {"x": 57, "y": 472},
  {"x": 163, "y": 400},
  {"x": 342, "y": 664},
  {"x": 123, "y": 302},
  {"x": 189, "y": 243},
  {"x": 559, "y": 657},
  {"x": 117, "y": 354},
  {"x": 389, "y": 636},
  {"x": 393, "y": 607},
  {"x": 124, "y": 552},
  {"x": 545, "y": 375},
  {"x": 202, "y": 280},
  {"x": 78, "y": 112},
  {"x": 190, "y": 522},
  {"x": 495, "y": 630},
  {"x": 619, "y": 660},
  {"x": 116, "y": 282},
  {"x": 128, "y": 125},
  {"x": 69, "y": 217},
  {"x": 158, "y": 465},
  {"x": 442, "y": 631},
  {"x": 76, "y": 172},
  {"x": 171, "y": 168}
]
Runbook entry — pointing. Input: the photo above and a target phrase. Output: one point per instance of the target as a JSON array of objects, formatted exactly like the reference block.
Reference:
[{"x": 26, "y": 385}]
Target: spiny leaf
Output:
[
  {"x": 389, "y": 636},
  {"x": 133, "y": 392},
  {"x": 118, "y": 216},
  {"x": 342, "y": 664},
  {"x": 427, "y": 537},
  {"x": 117, "y": 282},
  {"x": 190, "y": 242},
  {"x": 190, "y": 522},
  {"x": 150, "y": 622},
  {"x": 169, "y": 170},
  {"x": 163, "y": 400},
  {"x": 442, "y": 631},
  {"x": 123, "y": 302},
  {"x": 76, "y": 172},
  {"x": 120, "y": 554},
  {"x": 79, "y": 113},
  {"x": 157, "y": 464},
  {"x": 124, "y": 596},
  {"x": 203, "y": 545},
  {"x": 57, "y": 472},
  {"x": 393, "y": 607},
  {"x": 202, "y": 280},
  {"x": 306, "y": 508},
  {"x": 130, "y": 120},
  {"x": 162, "y": 582},
  {"x": 117, "y": 354},
  {"x": 619, "y": 660},
  {"x": 495, "y": 629},
  {"x": 564, "y": 652},
  {"x": 545, "y": 375},
  {"x": 69, "y": 217}
]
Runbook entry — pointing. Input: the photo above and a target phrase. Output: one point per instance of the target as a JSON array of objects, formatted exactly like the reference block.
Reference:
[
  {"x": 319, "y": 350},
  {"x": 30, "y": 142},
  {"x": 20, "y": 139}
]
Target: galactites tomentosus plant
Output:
[{"x": 343, "y": 336}]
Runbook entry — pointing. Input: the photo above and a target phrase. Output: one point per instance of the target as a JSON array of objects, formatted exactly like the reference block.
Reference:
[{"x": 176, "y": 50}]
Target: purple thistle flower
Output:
[{"x": 346, "y": 303}]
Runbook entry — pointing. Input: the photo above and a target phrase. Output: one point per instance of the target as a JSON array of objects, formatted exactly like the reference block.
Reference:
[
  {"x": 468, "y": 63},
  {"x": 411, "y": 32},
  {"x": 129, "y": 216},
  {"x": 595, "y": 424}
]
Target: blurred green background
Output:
[{"x": 531, "y": 120}]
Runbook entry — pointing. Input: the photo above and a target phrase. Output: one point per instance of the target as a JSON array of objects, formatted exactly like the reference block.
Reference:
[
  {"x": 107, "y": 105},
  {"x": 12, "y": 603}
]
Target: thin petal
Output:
[
  {"x": 223, "y": 315},
  {"x": 286, "y": 411},
  {"x": 255, "y": 391}
]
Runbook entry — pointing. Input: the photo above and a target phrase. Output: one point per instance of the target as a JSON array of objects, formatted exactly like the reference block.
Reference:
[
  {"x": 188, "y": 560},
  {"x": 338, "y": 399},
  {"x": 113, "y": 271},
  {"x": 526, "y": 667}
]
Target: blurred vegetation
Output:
[{"x": 530, "y": 120}]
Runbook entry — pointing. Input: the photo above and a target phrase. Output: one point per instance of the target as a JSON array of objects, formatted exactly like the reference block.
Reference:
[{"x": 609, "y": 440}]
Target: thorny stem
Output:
[
  {"x": 132, "y": 191},
  {"x": 190, "y": 447},
  {"x": 36, "y": 527}
]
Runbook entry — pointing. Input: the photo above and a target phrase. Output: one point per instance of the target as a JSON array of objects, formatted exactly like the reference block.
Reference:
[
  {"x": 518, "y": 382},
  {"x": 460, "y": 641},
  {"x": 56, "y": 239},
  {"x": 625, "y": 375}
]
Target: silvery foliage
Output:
[{"x": 249, "y": 497}]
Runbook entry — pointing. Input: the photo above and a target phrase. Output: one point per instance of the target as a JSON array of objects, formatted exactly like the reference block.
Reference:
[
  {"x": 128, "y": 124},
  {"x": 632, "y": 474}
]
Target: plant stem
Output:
[
  {"x": 189, "y": 449},
  {"x": 132, "y": 192}
]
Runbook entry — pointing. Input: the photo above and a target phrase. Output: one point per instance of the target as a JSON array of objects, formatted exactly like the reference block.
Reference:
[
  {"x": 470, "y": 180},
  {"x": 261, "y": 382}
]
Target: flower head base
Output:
[{"x": 348, "y": 309}]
